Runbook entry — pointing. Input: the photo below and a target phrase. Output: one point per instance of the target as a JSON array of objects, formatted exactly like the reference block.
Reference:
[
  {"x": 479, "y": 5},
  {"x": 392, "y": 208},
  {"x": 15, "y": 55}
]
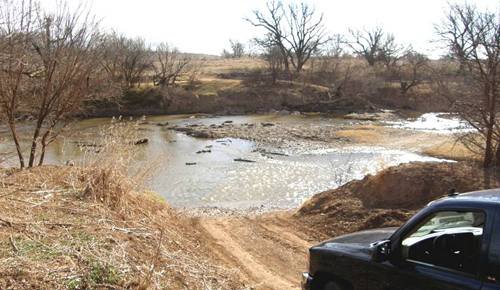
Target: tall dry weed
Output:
[{"x": 109, "y": 167}]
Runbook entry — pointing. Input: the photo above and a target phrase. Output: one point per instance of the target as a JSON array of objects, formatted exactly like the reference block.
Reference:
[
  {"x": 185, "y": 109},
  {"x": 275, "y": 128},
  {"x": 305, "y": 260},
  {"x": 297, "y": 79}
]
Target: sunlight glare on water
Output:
[
  {"x": 286, "y": 181},
  {"x": 436, "y": 123}
]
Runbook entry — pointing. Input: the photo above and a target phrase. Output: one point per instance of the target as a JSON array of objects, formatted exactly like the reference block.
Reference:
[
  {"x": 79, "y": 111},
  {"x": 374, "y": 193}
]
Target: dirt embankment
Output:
[
  {"x": 388, "y": 198},
  {"x": 226, "y": 97}
]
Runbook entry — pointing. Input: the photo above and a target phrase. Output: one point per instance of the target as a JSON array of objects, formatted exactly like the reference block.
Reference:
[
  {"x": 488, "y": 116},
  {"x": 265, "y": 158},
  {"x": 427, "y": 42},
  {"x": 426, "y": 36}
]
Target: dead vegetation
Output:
[
  {"x": 52, "y": 237},
  {"x": 443, "y": 146}
]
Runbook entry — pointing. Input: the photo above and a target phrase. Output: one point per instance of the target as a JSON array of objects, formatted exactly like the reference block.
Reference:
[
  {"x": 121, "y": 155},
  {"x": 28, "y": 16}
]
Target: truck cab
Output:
[{"x": 451, "y": 244}]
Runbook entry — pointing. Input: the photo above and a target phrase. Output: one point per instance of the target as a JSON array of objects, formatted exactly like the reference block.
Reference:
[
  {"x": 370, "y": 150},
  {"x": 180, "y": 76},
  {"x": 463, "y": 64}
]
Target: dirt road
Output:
[{"x": 267, "y": 251}]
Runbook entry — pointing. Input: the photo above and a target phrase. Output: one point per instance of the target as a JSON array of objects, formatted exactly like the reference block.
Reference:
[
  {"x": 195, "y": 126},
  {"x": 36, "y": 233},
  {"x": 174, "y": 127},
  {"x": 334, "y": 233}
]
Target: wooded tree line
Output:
[
  {"x": 295, "y": 44},
  {"x": 53, "y": 62},
  {"x": 295, "y": 35}
]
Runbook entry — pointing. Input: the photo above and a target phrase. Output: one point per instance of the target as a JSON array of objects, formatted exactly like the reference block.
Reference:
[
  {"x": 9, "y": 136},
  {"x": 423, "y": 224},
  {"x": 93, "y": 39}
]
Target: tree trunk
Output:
[
  {"x": 497, "y": 156},
  {"x": 34, "y": 143},
  {"x": 274, "y": 77},
  {"x": 44, "y": 146},
  {"x": 488, "y": 152},
  {"x": 486, "y": 178},
  {"x": 42, "y": 155},
  {"x": 286, "y": 61},
  {"x": 298, "y": 69},
  {"x": 491, "y": 101},
  {"x": 371, "y": 60},
  {"x": 13, "y": 131}
]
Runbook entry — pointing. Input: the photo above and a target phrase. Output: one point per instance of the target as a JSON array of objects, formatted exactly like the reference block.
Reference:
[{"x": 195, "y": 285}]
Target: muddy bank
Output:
[
  {"x": 388, "y": 198},
  {"x": 143, "y": 244},
  {"x": 227, "y": 97}
]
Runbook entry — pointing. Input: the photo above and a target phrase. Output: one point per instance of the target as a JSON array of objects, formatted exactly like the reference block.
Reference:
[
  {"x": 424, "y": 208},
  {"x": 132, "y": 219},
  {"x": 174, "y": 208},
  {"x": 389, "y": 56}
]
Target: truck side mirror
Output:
[{"x": 381, "y": 251}]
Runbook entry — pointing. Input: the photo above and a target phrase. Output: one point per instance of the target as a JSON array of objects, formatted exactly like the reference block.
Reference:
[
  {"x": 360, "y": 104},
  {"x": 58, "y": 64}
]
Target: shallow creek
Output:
[{"x": 275, "y": 178}]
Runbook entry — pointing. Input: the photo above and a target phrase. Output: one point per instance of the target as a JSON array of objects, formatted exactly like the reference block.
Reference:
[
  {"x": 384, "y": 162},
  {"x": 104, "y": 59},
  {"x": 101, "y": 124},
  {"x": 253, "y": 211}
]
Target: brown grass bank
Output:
[{"x": 56, "y": 233}]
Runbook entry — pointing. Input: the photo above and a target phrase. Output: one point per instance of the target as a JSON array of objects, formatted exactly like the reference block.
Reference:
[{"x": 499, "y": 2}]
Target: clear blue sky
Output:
[{"x": 205, "y": 26}]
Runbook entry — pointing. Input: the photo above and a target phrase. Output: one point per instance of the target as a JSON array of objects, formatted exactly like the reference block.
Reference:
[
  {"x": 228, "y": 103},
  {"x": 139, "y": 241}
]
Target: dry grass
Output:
[
  {"x": 452, "y": 150},
  {"x": 221, "y": 65},
  {"x": 4, "y": 156},
  {"x": 107, "y": 169},
  {"x": 88, "y": 227},
  {"x": 361, "y": 134},
  {"x": 435, "y": 145},
  {"x": 211, "y": 86}
]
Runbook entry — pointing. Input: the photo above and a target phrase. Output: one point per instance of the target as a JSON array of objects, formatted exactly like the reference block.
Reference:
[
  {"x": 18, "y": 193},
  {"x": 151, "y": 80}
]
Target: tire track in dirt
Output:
[
  {"x": 291, "y": 237},
  {"x": 265, "y": 277}
]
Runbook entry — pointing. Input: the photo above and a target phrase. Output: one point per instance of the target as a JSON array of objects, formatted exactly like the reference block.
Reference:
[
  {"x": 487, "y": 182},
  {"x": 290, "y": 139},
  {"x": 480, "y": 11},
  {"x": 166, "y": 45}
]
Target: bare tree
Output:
[
  {"x": 274, "y": 59},
  {"x": 333, "y": 70},
  {"x": 331, "y": 55},
  {"x": 50, "y": 71},
  {"x": 126, "y": 60},
  {"x": 169, "y": 65},
  {"x": 412, "y": 70},
  {"x": 16, "y": 27},
  {"x": 135, "y": 61},
  {"x": 272, "y": 21},
  {"x": 307, "y": 33},
  {"x": 237, "y": 49},
  {"x": 67, "y": 55},
  {"x": 113, "y": 58},
  {"x": 194, "y": 70},
  {"x": 473, "y": 38},
  {"x": 375, "y": 46},
  {"x": 335, "y": 46},
  {"x": 297, "y": 30}
]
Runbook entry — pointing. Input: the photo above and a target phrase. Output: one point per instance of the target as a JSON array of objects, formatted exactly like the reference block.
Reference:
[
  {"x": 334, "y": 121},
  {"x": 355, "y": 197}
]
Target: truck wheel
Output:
[{"x": 331, "y": 286}]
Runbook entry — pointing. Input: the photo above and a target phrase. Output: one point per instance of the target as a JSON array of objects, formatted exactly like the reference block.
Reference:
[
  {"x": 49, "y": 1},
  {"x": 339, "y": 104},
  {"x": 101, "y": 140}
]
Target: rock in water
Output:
[
  {"x": 244, "y": 160},
  {"x": 141, "y": 141}
]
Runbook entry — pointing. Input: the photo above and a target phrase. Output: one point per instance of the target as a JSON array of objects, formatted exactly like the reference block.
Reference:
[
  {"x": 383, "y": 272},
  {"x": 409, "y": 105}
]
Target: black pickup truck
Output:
[{"x": 453, "y": 243}]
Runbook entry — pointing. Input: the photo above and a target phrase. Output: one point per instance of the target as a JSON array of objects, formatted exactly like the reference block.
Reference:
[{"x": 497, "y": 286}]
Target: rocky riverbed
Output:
[
  {"x": 294, "y": 134},
  {"x": 282, "y": 136}
]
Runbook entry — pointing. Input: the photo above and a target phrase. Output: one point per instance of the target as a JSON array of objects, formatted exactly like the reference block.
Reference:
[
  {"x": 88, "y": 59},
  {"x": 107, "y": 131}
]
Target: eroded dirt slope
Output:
[{"x": 390, "y": 197}]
